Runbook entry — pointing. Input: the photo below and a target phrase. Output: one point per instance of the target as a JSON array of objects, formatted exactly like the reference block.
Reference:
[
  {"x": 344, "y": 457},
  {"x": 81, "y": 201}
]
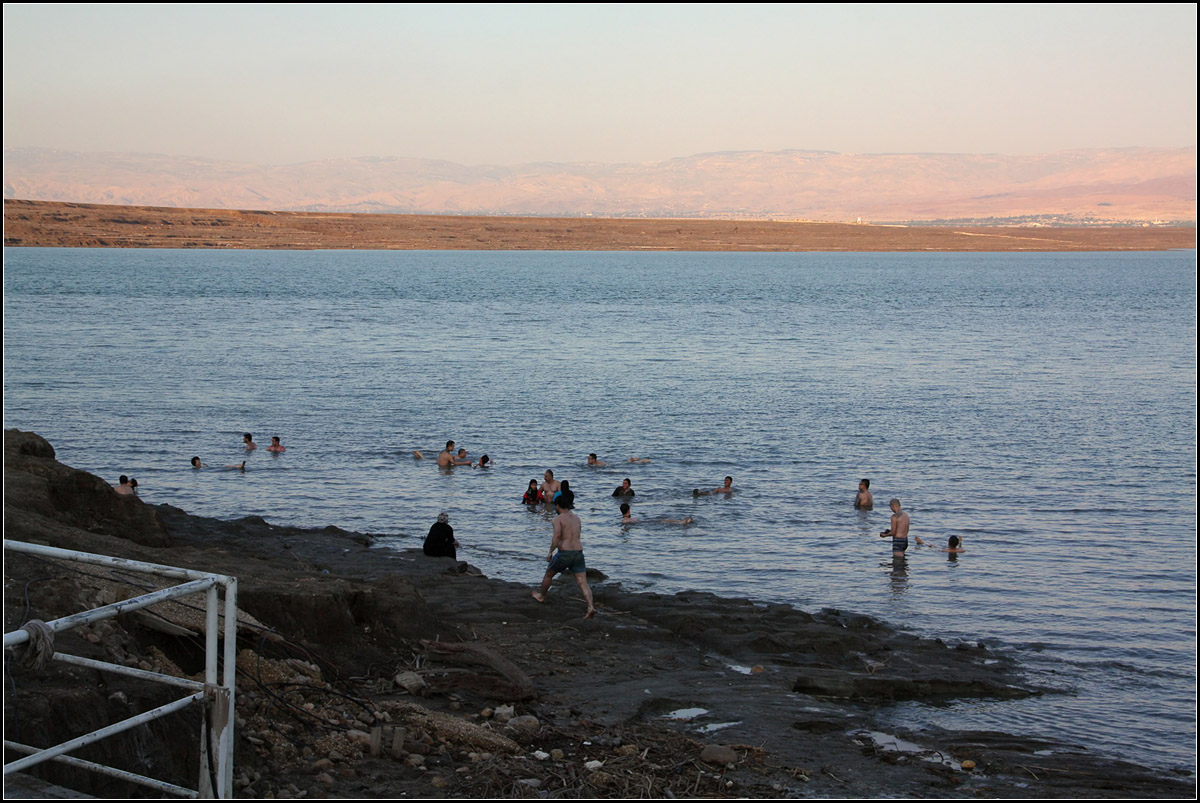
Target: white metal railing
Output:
[{"x": 216, "y": 731}]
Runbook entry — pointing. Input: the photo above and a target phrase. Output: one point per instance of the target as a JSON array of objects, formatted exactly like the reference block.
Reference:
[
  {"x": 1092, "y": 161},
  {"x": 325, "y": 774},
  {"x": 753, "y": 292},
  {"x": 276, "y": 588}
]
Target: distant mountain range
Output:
[{"x": 1103, "y": 185}]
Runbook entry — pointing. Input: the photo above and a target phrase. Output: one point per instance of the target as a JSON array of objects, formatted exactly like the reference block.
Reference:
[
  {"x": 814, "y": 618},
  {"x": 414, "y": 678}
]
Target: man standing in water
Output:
[
  {"x": 863, "y": 499},
  {"x": 898, "y": 531},
  {"x": 550, "y": 487},
  {"x": 570, "y": 553},
  {"x": 446, "y": 456}
]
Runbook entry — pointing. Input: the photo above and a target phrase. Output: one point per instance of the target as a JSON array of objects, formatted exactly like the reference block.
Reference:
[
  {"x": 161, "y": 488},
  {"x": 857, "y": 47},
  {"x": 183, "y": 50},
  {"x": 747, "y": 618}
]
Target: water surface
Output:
[{"x": 1041, "y": 406}]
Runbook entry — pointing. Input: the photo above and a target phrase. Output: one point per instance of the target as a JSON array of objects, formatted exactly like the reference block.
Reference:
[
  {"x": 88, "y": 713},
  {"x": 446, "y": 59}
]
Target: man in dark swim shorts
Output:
[
  {"x": 570, "y": 553},
  {"x": 898, "y": 531}
]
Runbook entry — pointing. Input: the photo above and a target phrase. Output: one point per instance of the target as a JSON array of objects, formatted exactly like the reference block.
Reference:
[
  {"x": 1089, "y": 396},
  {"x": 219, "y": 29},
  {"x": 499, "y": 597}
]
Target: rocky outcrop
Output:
[{"x": 37, "y": 488}]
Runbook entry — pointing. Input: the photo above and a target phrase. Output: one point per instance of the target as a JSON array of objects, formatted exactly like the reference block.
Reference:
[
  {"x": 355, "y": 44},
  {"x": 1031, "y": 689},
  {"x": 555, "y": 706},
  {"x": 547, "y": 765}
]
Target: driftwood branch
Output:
[{"x": 513, "y": 684}]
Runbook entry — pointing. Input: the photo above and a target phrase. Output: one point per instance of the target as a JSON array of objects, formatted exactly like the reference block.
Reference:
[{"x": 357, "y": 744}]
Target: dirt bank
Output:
[
  {"x": 469, "y": 688},
  {"x": 46, "y": 223}
]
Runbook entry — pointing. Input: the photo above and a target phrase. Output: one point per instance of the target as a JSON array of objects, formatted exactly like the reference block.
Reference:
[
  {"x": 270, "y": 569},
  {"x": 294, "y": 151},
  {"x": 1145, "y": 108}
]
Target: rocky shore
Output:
[{"x": 365, "y": 672}]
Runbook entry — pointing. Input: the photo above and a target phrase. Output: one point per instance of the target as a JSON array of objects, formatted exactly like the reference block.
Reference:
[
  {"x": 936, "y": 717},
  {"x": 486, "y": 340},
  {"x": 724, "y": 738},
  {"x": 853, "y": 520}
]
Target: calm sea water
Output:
[{"x": 1041, "y": 406}]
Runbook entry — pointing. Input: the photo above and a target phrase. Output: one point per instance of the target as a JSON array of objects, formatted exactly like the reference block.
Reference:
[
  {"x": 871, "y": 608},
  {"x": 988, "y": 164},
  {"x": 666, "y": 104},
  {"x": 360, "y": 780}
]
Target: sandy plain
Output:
[{"x": 56, "y": 224}]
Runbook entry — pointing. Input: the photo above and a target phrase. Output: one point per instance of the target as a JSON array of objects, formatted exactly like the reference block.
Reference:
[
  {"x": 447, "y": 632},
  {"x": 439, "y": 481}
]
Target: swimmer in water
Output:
[
  {"x": 123, "y": 487},
  {"x": 624, "y": 489},
  {"x": 727, "y": 488},
  {"x": 595, "y": 461},
  {"x": 446, "y": 456},
  {"x": 953, "y": 544},
  {"x": 276, "y": 446},
  {"x": 549, "y": 487},
  {"x": 626, "y": 516},
  {"x": 863, "y": 499},
  {"x": 248, "y": 439}
]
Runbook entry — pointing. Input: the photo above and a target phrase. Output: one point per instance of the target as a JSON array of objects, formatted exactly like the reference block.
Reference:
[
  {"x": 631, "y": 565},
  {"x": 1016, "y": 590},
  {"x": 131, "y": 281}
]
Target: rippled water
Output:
[{"x": 1041, "y": 406}]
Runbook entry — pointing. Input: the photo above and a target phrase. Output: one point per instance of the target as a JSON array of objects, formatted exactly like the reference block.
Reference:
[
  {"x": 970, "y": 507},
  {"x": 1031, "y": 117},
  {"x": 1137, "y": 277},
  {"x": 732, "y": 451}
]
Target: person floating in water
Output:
[
  {"x": 595, "y": 461},
  {"x": 197, "y": 464},
  {"x": 248, "y": 439},
  {"x": 532, "y": 495},
  {"x": 123, "y": 487},
  {"x": 485, "y": 461},
  {"x": 953, "y": 544},
  {"x": 567, "y": 541},
  {"x": 898, "y": 531},
  {"x": 638, "y": 460},
  {"x": 440, "y": 542},
  {"x": 863, "y": 499},
  {"x": 727, "y": 488},
  {"x": 446, "y": 456},
  {"x": 276, "y": 446},
  {"x": 624, "y": 489}
]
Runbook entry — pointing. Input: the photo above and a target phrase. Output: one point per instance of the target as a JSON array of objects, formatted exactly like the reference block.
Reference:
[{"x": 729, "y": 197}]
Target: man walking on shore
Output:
[{"x": 567, "y": 541}]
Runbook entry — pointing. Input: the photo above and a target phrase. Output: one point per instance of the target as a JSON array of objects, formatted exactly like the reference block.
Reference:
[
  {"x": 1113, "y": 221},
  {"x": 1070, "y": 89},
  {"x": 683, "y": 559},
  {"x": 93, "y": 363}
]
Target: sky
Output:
[{"x": 512, "y": 84}]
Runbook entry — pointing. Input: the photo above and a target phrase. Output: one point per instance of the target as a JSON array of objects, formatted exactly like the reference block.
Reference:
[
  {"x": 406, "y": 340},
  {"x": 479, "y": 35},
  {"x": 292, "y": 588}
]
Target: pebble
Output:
[
  {"x": 528, "y": 722},
  {"x": 718, "y": 754}
]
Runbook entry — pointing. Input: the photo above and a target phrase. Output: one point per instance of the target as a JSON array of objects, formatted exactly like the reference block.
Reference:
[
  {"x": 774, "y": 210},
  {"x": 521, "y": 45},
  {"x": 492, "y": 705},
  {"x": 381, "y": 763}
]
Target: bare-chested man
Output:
[
  {"x": 461, "y": 459},
  {"x": 446, "y": 456},
  {"x": 124, "y": 488},
  {"x": 863, "y": 499},
  {"x": 595, "y": 461},
  {"x": 570, "y": 553},
  {"x": 248, "y": 440},
  {"x": 727, "y": 488},
  {"x": 898, "y": 531},
  {"x": 550, "y": 487}
]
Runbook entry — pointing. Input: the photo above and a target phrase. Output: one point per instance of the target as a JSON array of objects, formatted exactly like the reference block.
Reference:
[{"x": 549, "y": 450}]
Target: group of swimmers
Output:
[
  {"x": 249, "y": 445},
  {"x": 898, "y": 531}
]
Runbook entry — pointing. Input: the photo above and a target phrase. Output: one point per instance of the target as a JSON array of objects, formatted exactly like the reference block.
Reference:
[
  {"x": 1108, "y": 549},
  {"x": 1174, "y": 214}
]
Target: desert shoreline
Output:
[
  {"x": 792, "y": 696},
  {"x": 79, "y": 225}
]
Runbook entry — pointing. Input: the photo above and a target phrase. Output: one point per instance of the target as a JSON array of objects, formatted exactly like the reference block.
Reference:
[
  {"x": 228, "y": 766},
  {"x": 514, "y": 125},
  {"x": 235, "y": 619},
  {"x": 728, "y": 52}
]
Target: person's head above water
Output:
[
  {"x": 549, "y": 474},
  {"x": 484, "y": 460},
  {"x": 247, "y": 437},
  {"x": 565, "y": 501},
  {"x": 449, "y": 445},
  {"x": 443, "y": 517},
  {"x": 953, "y": 542},
  {"x": 196, "y": 462},
  {"x": 624, "y": 508},
  {"x": 864, "y": 483},
  {"x": 123, "y": 479}
]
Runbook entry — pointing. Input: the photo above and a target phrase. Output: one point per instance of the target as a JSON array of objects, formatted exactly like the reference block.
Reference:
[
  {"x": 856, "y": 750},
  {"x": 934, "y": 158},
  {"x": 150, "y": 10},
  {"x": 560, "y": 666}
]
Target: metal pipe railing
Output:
[{"x": 217, "y": 693}]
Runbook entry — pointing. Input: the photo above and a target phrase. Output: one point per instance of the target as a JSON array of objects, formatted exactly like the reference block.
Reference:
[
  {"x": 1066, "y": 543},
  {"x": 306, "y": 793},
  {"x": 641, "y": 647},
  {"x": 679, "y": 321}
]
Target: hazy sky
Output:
[{"x": 610, "y": 83}]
